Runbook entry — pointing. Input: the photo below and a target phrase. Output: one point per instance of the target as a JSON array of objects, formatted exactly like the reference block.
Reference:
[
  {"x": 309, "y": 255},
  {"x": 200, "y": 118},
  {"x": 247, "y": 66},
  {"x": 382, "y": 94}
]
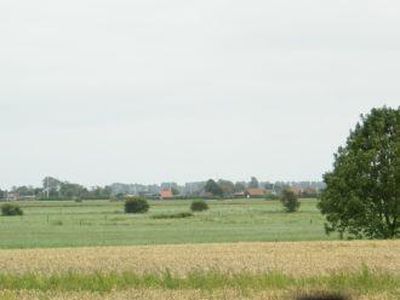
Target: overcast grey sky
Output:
[{"x": 97, "y": 91}]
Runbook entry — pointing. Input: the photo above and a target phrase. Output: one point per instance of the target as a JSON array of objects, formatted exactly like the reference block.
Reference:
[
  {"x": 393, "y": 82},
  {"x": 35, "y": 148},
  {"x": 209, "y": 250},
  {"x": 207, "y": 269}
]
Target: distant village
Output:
[{"x": 55, "y": 189}]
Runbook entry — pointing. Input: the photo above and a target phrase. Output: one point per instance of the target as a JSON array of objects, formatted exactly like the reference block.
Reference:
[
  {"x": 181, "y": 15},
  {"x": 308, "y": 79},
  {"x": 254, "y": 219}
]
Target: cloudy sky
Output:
[{"x": 97, "y": 91}]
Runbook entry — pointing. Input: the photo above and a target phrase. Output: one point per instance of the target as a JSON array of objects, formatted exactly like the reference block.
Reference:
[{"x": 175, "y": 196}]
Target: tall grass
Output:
[{"x": 363, "y": 281}]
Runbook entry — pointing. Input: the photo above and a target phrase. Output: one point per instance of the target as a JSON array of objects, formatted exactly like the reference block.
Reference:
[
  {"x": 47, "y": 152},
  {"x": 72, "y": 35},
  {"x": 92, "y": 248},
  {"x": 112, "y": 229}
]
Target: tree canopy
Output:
[
  {"x": 213, "y": 188},
  {"x": 362, "y": 195},
  {"x": 240, "y": 187},
  {"x": 290, "y": 200},
  {"x": 228, "y": 187},
  {"x": 254, "y": 183}
]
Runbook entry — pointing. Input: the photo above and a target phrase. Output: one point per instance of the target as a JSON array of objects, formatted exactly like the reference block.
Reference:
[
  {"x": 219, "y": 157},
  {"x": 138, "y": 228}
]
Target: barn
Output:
[
  {"x": 255, "y": 193},
  {"x": 166, "y": 194}
]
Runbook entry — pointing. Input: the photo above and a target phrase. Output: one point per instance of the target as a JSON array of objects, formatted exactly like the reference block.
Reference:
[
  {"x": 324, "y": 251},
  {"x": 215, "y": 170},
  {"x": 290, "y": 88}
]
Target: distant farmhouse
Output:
[
  {"x": 256, "y": 193},
  {"x": 12, "y": 196},
  {"x": 297, "y": 190},
  {"x": 166, "y": 194}
]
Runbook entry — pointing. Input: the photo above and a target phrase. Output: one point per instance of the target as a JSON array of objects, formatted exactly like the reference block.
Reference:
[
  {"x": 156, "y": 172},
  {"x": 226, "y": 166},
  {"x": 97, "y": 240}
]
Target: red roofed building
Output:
[
  {"x": 298, "y": 191},
  {"x": 255, "y": 193},
  {"x": 166, "y": 194}
]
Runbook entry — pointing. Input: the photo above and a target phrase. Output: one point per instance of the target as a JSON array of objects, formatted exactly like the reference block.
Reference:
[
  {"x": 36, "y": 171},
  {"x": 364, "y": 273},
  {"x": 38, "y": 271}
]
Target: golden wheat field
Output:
[
  {"x": 295, "y": 259},
  {"x": 155, "y": 294},
  {"x": 291, "y": 258},
  {"x": 152, "y": 294}
]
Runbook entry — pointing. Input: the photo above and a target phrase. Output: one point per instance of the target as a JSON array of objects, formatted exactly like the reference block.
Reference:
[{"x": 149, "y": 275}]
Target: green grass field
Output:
[
  {"x": 362, "y": 281},
  {"x": 96, "y": 223}
]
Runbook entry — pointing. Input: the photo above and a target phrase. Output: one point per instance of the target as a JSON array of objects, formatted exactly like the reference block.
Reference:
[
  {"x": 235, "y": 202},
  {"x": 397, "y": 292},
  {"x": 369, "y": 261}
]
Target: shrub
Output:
[
  {"x": 290, "y": 200},
  {"x": 323, "y": 296},
  {"x": 136, "y": 205},
  {"x": 199, "y": 205},
  {"x": 180, "y": 215},
  {"x": 57, "y": 223},
  {"x": 10, "y": 209}
]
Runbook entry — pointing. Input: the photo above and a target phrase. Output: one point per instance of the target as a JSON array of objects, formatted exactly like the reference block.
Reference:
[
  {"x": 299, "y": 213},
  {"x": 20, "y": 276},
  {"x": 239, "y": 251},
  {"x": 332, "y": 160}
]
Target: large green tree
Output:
[
  {"x": 25, "y": 190},
  {"x": 362, "y": 195},
  {"x": 240, "y": 187},
  {"x": 228, "y": 188},
  {"x": 254, "y": 183},
  {"x": 72, "y": 190},
  {"x": 51, "y": 186},
  {"x": 213, "y": 188}
]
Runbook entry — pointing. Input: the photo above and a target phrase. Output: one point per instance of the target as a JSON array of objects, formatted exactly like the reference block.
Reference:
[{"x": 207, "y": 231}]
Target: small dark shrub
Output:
[
  {"x": 199, "y": 205},
  {"x": 180, "y": 215},
  {"x": 323, "y": 296},
  {"x": 290, "y": 201},
  {"x": 57, "y": 223},
  {"x": 10, "y": 209},
  {"x": 136, "y": 205}
]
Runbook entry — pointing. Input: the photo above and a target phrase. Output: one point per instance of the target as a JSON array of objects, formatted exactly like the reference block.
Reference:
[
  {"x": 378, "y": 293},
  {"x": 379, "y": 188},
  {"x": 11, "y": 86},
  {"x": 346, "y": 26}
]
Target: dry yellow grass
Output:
[
  {"x": 291, "y": 258},
  {"x": 157, "y": 294},
  {"x": 149, "y": 294}
]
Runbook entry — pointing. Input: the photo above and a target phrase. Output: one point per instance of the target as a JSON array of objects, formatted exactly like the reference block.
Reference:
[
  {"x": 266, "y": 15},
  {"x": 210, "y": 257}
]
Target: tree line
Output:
[{"x": 53, "y": 188}]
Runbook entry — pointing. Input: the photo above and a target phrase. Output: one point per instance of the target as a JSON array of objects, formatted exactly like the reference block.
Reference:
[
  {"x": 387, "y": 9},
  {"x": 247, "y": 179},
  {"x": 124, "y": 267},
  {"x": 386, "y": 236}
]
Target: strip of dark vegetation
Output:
[
  {"x": 180, "y": 215},
  {"x": 323, "y": 296},
  {"x": 360, "y": 282}
]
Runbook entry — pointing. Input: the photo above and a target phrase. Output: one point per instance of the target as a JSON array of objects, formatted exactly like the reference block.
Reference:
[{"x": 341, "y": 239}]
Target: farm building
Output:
[
  {"x": 256, "y": 192},
  {"x": 166, "y": 194},
  {"x": 298, "y": 191},
  {"x": 239, "y": 195},
  {"x": 12, "y": 196}
]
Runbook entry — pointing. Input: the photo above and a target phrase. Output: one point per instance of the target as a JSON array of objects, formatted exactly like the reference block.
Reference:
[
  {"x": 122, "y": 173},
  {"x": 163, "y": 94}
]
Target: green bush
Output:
[
  {"x": 11, "y": 209},
  {"x": 57, "y": 223},
  {"x": 199, "y": 205},
  {"x": 290, "y": 200},
  {"x": 180, "y": 215},
  {"x": 136, "y": 205}
]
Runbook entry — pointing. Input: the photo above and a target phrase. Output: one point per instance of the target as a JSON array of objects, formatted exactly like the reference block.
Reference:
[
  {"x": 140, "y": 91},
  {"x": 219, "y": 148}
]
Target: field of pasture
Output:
[{"x": 102, "y": 223}]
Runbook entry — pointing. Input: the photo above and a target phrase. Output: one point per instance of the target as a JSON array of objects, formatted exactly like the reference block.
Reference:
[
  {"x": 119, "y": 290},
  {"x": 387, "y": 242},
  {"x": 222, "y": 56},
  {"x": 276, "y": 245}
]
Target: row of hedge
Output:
[
  {"x": 138, "y": 205},
  {"x": 132, "y": 205}
]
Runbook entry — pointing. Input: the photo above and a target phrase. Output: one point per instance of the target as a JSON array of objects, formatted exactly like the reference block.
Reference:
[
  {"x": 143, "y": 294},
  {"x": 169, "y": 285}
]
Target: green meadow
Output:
[{"x": 100, "y": 223}]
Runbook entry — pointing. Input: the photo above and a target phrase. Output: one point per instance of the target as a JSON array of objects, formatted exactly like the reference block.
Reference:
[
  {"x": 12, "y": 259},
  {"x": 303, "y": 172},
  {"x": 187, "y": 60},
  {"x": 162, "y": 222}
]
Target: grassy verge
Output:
[{"x": 363, "y": 281}]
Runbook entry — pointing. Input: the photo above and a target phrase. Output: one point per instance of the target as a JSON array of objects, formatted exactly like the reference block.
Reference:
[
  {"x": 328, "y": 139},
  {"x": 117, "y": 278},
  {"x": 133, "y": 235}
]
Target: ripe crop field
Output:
[
  {"x": 364, "y": 269},
  {"x": 101, "y": 223}
]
